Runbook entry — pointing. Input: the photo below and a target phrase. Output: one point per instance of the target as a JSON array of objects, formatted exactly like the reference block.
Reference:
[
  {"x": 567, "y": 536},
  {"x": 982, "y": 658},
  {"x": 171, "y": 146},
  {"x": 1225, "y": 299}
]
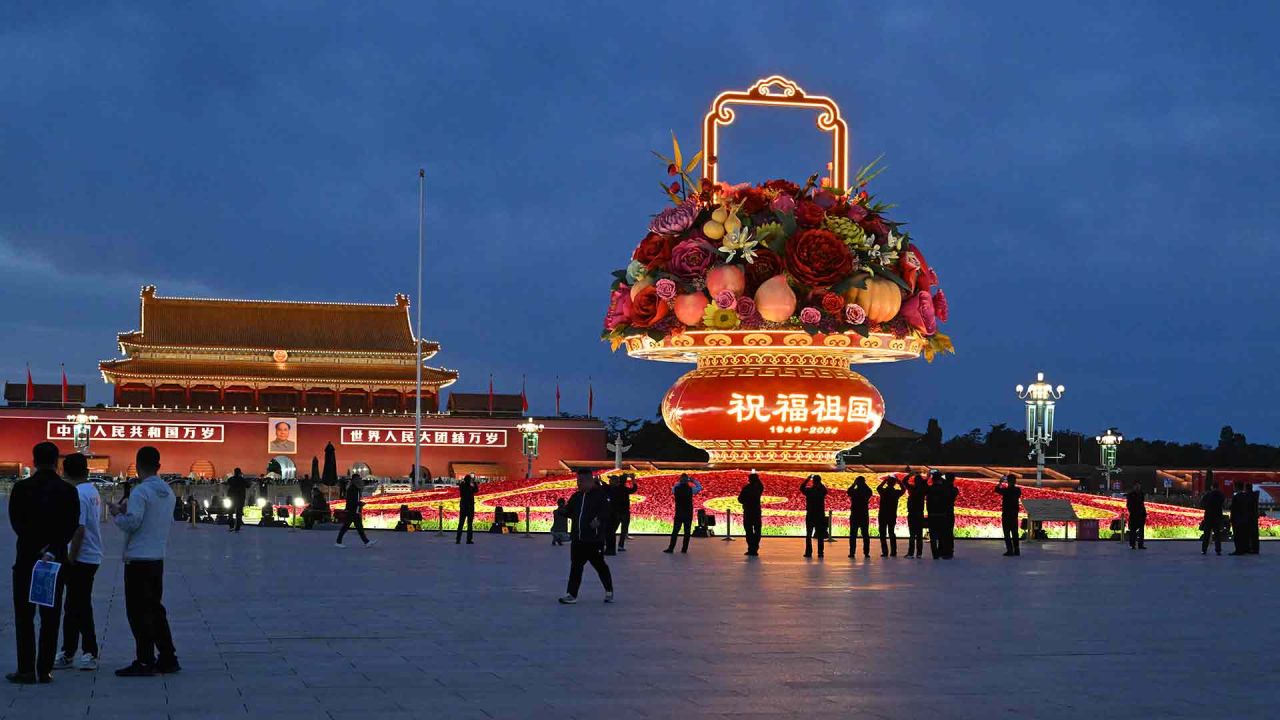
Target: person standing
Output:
[
  {"x": 621, "y": 509},
  {"x": 889, "y": 492},
  {"x": 1239, "y": 512},
  {"x": 1211, "y": 525},
  {"x": 466, "y": 507},
  {"x": 859, "y": 515},
  {"x": 933, "y": 504},
  {"x": 559, "y": 523},
  {"x": 145, "y": 518},
  {"x": 589, "y": 510},
  {"x": 916, "y": 494},
  {"x": 682, "y": 492},
  {"x": 44, "y": 512},
  {"x": 815, "y": 514},
  {"x": 83, "y": 559},
  {"x": 1010, "y": 498},
  {"x": 1255, "y": 532},
  {"x": 949, "y": 495},
  {"x": 1136, "y": 503},
  {"x": 749, "y": 497},
  {"x": 237, "y": 491},
  {"x": 352, "y": 516}
]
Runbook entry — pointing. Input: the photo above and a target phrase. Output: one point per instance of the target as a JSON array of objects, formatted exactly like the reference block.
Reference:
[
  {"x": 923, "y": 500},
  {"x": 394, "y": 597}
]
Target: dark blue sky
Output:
[{"x": 1095, "y": 183}]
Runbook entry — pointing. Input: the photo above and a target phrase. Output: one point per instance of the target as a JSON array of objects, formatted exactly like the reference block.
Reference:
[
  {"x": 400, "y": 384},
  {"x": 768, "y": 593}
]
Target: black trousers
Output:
[
  {"x": 1255, "y": 537},
  {"x": 624, "y": 527},
  {"x": 144, "y": 606},
  {"x": 77, "y": 620},
  {"x": 859, "y": 524},
  {"x": 889, "y": 535},
  {"x": 937, "y": 527},
  {"x": 676, "y": 523},
  {"x": 752, "y": 528},
  {"x": 915, "y": 535},
  {"x": 465, "y": 516},
  {"x": 611, "y": 536},
  {"x": 1009, "y": 526},
  {"x": 237, "y": 515},
  {"x": 948, "y": 546},
  {"x": 353, "y": 520},
  {"x": 815, "y": 526},
  {"x": 24, "y": 620},
  {"x": 1214, "y": 530},
  {"x": 581, "y": 553},
  {"x": 1137, "y": 530}
]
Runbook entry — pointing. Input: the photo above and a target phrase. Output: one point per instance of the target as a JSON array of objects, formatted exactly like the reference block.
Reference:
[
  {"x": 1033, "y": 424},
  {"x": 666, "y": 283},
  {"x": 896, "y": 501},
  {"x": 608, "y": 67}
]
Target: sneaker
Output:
[
  {"x": 18, "y": 678},
  {"x": 568, "y": 600},
  {"x": 168, "y": 667},
  {"x": 371, "y": 543},
  {"x": 669, "y": 550},
  {"x": 608, "y": 597},
  {"x": 470, "y": 542},
  {"x": 87, "y": 662},
  {"x": 62, "y": 661},
  {"x": 338, "y": 544},
  {"x": 137, "y": 669}
]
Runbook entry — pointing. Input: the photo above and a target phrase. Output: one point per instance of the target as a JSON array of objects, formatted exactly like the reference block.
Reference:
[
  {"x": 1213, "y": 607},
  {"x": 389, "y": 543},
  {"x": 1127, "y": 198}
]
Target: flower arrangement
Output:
[{"x": 777, "y": 255}]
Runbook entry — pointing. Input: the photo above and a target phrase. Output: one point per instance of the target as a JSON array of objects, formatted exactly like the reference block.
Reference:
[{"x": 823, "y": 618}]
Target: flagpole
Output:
[{"x": 417, "y": 399}]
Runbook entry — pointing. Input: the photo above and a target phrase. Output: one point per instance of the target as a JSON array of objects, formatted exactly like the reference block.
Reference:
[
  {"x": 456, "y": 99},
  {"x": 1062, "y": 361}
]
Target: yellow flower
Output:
[{"x": 720, "y": 319}]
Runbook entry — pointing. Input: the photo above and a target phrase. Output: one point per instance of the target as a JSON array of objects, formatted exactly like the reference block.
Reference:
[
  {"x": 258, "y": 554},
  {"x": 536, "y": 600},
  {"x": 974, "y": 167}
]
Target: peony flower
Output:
[
  {"x": 746, "y": 307},
  {"x": 675, "y": 220},
  {"x": 783, "y": 204},
  {"x": 691, "y": 258},
  {"x": 654, "y": 251},
  {"x": 785, "y": 187},
  {"x": 763, "y": 266},
  {"x": 825, "y": 199},
  {"x": 666, "y": 288},
  {"x": 939, "y": 305},
  {"x": 856, "y": 213},
  {"x": 832, "y": 303},
  {"x": 751, "y": 199},
  {"x": 810, "y": 316},
  {"x": 818, "y": 258},
  {"x": 726, "y": 300},
  {"x": 809, "y": 213},
  {"x": 854, "y": 314},
  {"x": 876, "y": 226},
  {"x": 647, "y": 308},
  {"x": 619, "y": 312},
  {"x": 718, "y": 318},
  {"x": 918, "y": 311}
]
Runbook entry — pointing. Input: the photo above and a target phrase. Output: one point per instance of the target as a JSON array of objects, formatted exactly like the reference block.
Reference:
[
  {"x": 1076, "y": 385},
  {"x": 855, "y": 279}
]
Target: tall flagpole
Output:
[{"x": 417, "y": 404}]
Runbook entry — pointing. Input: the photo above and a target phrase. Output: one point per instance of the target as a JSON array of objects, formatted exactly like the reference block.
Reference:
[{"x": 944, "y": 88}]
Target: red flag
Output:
[
  {"x": 31, "y": 386},
  {"x": 491, "y": 394},
  {"x": 524, "y": 397},
  {"x": 557, "y": 397},
  {"x": 64, "y": 384},
  {"x": 591, "y": 399}
]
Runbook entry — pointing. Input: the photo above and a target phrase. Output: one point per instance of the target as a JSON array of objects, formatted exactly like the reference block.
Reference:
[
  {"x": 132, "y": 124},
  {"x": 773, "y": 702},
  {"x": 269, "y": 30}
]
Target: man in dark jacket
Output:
[
  {"x": 1010, "y": 497},
  {"x": 815, "y": 514},
  {"x": 352, "y": 518},
  {"x": 1239, "y": 514},
  {"x": 933, "y": 504},
  {"x": 1255, "y": 532},
  {"x": 682, "y": 492},
  {"x": 588, "y": 511},
  {"x": 44, "y": 512},
  {"x": 1211, "y": 525},
  {"x": 620, "y": 512},
  {"x": 466, "y": 507},
  {"x": 949, "y": 496},
  {"x": 752, "y": 515},
  {"x": 237, "y": 491},
  {"x": 859, "y": 515},
  {"x": 916, "y": 494},
  {"x": 889, "y": 492},
  {"x": 1136, "y": 503}
]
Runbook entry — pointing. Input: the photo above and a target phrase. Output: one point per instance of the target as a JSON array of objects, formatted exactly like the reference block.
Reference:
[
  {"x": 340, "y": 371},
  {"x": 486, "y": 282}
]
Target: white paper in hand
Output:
[{"x": 44, "y": 583}]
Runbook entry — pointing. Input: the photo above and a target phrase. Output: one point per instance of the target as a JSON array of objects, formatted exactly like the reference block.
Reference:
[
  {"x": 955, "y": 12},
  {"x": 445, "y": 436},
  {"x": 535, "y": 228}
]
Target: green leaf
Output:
[
  {"x": 894, "y": 277},
  {"x": 856, "y": 280},
  {"x": 694, "y": 162},
  {"x": 657, "y": 335},
  {"x": 862, "y": 329},
  {"x": 788, "y": 222},
  {"x": 675, "y": 149}
]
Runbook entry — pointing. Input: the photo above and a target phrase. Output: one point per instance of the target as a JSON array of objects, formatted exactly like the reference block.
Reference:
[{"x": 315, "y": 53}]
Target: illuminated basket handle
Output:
[{"x": 777, "y": 91}]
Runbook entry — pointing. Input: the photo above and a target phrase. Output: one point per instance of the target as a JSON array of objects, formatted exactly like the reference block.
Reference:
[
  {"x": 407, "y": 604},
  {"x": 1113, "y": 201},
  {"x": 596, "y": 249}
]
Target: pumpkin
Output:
[
  {"x": 689, "y": 308},
  {"x": 881, "y": 298},
  {"x": 775, "y": 301}
]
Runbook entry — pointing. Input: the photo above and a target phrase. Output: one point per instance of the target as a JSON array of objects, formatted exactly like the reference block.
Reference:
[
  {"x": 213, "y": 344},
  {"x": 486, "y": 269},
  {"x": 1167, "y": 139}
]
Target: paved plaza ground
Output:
[{"x": 281, "y": 624}]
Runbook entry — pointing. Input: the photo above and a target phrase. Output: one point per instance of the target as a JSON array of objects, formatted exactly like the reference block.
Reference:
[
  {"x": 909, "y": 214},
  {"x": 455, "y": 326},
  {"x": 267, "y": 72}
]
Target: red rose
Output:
[
  {"x": 647, "y": 308},
  {"x": 818, "y": 258},
  {"x": 809, "y": 213},
  {"x": 654, "y": 250},
  {"x": 832, "y": 304},
  {"x": 766, "y": 265}
]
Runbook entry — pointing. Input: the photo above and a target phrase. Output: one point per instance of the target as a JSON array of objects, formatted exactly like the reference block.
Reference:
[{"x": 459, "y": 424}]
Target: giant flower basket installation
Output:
[{"x": 774, "y": 290}]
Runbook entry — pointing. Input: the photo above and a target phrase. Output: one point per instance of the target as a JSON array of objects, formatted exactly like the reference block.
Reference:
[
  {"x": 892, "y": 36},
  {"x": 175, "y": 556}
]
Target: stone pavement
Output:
[{"x": 281, "y": 624}]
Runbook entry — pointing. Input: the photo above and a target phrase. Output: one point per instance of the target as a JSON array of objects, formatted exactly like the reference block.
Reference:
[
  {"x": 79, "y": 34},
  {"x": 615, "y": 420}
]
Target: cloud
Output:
[{"x": 25, "y": 268}]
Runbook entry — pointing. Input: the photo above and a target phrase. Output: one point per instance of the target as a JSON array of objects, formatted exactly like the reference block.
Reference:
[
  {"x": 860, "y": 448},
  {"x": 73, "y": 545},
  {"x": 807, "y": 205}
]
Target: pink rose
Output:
[
  {"x": 811, "y": 316},
  {"x": 746, "y": 307},
  {"x": 918, "y": 311},
  {"x": 783, "y": 204},
  {"x": 666, "y": 288},
  {"x": 619, "y": 308},
  {"x": 854, "y": 314},
  {"x": 726, "y": 300},
  {"x": 691, "y": 258}
]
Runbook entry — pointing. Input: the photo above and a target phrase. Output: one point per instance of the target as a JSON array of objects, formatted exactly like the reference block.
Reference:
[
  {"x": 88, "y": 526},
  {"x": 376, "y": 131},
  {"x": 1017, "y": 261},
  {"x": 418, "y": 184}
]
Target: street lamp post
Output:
[
  {"x": 529, "y": 430},
  {"x": 1108, "y": 445},
  {"x": 1040, "y": 397},
  {"x": 81, "y": 426}
]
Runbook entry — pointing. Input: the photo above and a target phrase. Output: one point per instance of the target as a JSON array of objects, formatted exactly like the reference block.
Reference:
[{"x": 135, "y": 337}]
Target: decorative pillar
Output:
[
  {"x": 222, "y": 395},
  {"x": 303, "y": 398},
  {"x": 153, "y": 394}
]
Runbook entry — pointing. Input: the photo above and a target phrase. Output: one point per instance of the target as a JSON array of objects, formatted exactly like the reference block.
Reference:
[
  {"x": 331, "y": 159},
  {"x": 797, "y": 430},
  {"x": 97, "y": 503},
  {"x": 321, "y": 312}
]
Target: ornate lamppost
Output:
[
  {"x": 529, "y": 430},
  {"x": 81, "y": 426},
  {"x": 1040, "y": 397},
  {"x": 1108, "y": 445}
]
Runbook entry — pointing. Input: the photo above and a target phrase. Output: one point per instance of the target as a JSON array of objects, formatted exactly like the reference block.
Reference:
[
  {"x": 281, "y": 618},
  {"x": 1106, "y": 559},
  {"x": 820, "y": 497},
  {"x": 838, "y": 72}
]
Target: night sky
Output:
[{"x": 1096, "y": 184}]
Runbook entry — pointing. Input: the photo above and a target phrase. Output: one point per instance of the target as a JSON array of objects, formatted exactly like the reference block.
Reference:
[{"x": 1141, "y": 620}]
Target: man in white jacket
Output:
[{"x": 145, "y": 518}]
